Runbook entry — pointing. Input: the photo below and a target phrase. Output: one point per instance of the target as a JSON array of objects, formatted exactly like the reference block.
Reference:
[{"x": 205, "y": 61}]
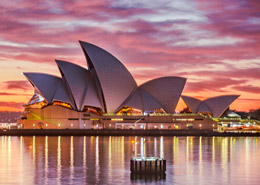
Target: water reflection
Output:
[
  {"x": 71, "y": 159},
  {"x": 46, "y": 158},
  {"x": 59, "y": 161},
  {"x": 161, "y": 147},
  {"x": 105, "y": 160}
]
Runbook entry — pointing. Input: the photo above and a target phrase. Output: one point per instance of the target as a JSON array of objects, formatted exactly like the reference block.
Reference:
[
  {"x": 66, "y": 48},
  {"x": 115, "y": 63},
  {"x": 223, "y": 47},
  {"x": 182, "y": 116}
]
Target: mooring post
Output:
[
  {"x": 156, "y": 165},
  {"x": 164, "y": 165}
]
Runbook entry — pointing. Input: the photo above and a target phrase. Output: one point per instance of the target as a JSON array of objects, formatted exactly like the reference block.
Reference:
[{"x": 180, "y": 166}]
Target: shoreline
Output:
[{"x": 119, "y": 132}]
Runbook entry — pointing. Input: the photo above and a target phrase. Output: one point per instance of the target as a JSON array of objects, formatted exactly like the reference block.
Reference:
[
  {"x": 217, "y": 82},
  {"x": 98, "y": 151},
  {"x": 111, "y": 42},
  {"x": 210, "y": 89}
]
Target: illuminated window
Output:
[
  {"x": 128, "y": 111},
  {"x": 117, "y": 119},
  {"x": 63, "y": 104},
  {"x": 94, "y": 110},
  {"x": 189, "y": 125},
  {"x": 182, "y": 119}
]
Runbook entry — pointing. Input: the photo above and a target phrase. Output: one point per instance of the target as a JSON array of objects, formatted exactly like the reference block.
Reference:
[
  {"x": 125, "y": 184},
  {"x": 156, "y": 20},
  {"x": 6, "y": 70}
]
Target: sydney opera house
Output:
[{"x": 105, "y": 95}]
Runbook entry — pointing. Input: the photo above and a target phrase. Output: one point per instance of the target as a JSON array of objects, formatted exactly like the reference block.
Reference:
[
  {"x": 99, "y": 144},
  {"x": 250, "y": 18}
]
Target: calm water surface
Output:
[{"x": 106, "y": 160}]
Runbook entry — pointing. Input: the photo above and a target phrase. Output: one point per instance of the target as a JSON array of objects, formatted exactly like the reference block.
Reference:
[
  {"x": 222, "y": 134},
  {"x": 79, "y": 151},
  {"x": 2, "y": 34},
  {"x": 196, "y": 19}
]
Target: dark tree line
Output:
[{"x": 254, "y": 114}]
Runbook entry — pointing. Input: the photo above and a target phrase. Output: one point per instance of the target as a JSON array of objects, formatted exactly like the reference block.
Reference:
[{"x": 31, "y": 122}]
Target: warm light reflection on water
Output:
[{"x": 105, "y": 160}]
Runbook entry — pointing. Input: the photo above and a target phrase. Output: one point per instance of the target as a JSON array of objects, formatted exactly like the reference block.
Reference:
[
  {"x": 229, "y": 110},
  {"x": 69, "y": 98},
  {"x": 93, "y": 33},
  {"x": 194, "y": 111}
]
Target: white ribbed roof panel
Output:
[
  {"x": 62, "y": 94},
  {"x": 192, "y": 103},
  {"x": 142, "y": 100},
  {"x": 91, "y": 97},
  {"x": 80, "y": 84},
  {"x": 149, "y": 103},
  {"x": 134, "y": 100},
  {"x": 166, "y": 90},
  {"x": 204, "y": 108},
  {"x": 45, "y": 84},
  {"x": 115, "y": 80},
  {"x": 219, "y": 104}
]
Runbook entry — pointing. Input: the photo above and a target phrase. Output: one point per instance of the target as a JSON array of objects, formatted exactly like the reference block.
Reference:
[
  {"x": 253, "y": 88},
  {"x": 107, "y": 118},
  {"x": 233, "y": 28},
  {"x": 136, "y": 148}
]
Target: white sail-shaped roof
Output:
[
  {"x": 45, "y": 84},
  {"x": 115, "y": 80},
  {"x": 134, "y": 100},
  {"x": 204, "y": 107},
  {"x": 192, "y": 103},
  {"x": 219, "y": 104},
  {"x": 80, "y": 84},
  {"x": 62, "y": 94},
  {"x": 142, "y": 100},
  {"x": 106, "y": 84},
  {"x": 165, "y": 90},
  {"x": 216, "y": 105},
  {"x": 149, "y": 102}
]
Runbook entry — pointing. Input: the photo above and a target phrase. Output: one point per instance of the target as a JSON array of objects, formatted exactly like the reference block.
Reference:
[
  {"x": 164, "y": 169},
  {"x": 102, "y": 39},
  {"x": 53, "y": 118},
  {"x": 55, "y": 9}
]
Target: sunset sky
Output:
[{"x": 214, "y": 44}]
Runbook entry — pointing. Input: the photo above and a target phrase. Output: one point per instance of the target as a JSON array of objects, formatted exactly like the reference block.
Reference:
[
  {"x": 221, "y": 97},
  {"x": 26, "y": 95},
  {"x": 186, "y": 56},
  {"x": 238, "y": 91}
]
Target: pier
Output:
[{"x": 147, "y": 165}]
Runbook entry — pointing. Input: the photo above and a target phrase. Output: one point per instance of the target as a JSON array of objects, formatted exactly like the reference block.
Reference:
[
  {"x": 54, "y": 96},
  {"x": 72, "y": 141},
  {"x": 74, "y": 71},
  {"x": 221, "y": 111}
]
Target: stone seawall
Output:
[{"x": 117, "y": 132}]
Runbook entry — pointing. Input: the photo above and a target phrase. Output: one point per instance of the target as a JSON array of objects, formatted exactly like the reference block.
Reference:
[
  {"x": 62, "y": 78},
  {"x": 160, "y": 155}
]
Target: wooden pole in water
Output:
[{"x": 156, "y": 165}]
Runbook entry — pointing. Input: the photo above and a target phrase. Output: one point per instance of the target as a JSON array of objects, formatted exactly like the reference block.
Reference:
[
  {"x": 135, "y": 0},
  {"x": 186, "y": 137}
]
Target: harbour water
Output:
[{"x": 106, "y": 160}]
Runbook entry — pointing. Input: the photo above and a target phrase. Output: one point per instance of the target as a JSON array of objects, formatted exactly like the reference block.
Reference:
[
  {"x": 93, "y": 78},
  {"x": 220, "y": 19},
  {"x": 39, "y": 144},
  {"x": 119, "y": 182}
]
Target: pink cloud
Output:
[
  {"x": 19, "y": 84},
  {"x": 216, "y": 85},
  {"x": 247, "y": 88}
]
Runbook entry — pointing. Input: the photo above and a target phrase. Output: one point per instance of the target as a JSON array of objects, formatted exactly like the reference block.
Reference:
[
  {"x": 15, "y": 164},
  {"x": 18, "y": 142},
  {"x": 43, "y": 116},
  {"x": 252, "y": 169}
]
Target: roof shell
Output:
[
  {"x": 192, "y": 103},
  {"x": 80, "y": 84},
  {"x": 219, "y": 104},
  {"x": 45, "y": 84},
  {"x": 62, "y": 94},
  {"x": 142, "y": 100},
  {"x": 115, "y": 80},
  {"x": 203, "y": 107},
  {"x": 166, "y": 91},
  {"x": 215, "y": 105}
]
